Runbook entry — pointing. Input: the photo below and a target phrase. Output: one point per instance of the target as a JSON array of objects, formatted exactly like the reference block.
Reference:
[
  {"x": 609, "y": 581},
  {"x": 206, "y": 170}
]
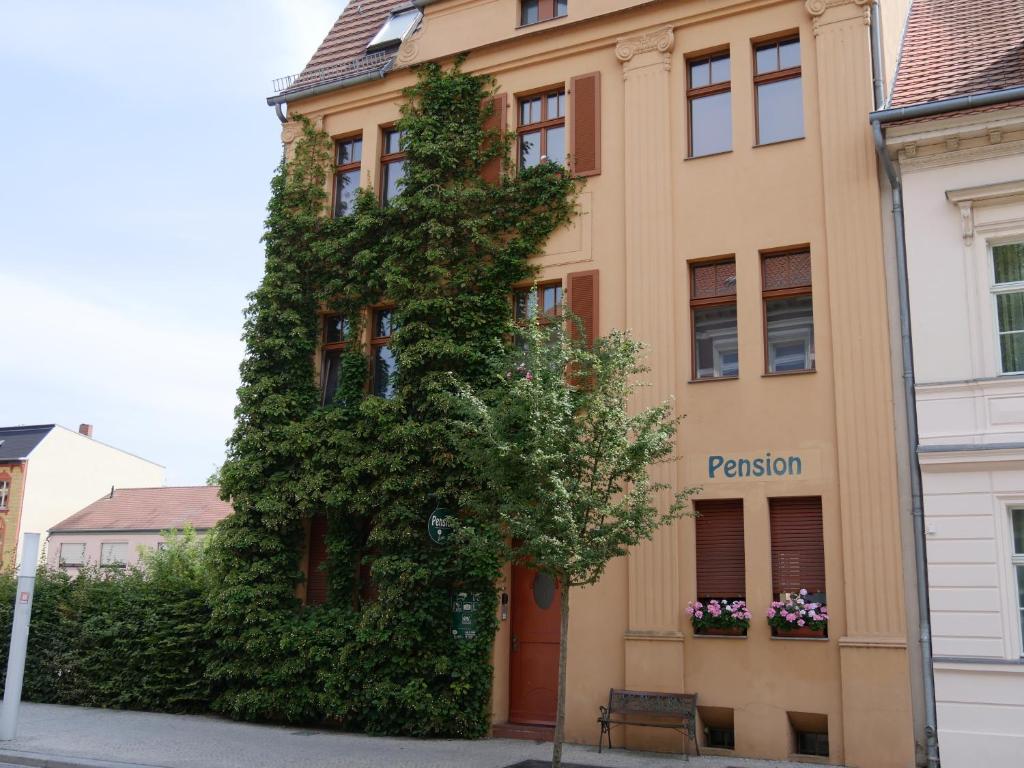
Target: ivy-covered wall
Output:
[{"x": 446, "y": 253}]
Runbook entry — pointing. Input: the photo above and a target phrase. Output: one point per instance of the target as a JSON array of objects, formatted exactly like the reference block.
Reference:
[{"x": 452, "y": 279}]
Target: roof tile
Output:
[
  {"x": 150, "y": 509},
  {"x": 959, "y": 47}
]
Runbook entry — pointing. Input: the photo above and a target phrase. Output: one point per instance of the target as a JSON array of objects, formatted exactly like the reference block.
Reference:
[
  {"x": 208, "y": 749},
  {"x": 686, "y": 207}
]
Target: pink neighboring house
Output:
[{"x": 114, "y": 530}]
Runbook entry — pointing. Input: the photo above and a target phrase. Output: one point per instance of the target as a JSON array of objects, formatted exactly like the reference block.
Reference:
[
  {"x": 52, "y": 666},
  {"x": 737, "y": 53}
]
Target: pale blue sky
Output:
[{"x": 137, "y": 155}]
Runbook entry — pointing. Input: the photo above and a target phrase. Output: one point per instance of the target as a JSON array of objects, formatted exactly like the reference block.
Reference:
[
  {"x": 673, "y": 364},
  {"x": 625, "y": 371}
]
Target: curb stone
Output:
[{"x": 41, "y": 760}]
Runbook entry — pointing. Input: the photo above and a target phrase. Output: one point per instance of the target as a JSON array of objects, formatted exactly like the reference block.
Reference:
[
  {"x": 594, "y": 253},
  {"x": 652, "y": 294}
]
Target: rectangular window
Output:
[
  {"x": 541, "y": 131},
  {"x": 779, "y": 89},
  {"x": 114, "y": 554},
  {"x": 547, "y": 300},
  {"x": 337, "y": 330},
  {"x": 385, "y": 367},
  {"x": 1018, "y": 565},
  {"x": 721, "y": 567},
  {"x": 710, "y": 104},
  {"x": 713, "y": 310},
  {"x": 392, "y": 165},
  {"x": 788, "y": 312},
  {"x": 71, "y": 555},
  {"x": 532, "y": 11},
  {"x": 348, "y": 160},
  {"x": 1008, "y": 292},
  {"x": 5, "y": 493},
  {"x": 798, "y": 547}
]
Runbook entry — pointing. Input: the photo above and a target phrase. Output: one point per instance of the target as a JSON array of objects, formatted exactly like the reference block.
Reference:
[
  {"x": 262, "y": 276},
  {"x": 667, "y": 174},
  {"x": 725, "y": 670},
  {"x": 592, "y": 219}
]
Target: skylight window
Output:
[{"x": 395, "y": 29}]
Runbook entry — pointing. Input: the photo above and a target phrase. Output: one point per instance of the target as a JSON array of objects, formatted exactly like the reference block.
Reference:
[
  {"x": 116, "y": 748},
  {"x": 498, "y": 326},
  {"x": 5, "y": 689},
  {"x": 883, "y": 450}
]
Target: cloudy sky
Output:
[{"x": 138, "y": 150}]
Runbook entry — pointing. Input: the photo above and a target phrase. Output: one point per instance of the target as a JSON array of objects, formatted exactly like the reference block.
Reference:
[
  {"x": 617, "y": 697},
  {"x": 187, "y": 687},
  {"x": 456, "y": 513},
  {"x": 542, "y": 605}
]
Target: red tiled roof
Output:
[
  {"x": 959, "y": 47},
  {"x": 342, "y": 54},
  {"x": 150, "y": 509}
]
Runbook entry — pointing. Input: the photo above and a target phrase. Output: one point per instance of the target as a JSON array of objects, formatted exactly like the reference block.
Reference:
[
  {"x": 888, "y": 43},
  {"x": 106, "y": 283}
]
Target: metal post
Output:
[{"x": 19, "y": 636}]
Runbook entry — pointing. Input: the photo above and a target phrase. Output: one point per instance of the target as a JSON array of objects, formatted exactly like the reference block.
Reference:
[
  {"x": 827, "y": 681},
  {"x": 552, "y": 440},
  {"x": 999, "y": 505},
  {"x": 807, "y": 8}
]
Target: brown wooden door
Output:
[{"x": 536, "y": 629}]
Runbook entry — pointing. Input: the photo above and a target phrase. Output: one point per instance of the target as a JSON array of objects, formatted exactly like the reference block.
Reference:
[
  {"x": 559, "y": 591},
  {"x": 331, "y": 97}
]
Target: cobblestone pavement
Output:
[{"x": 55, "y": 736}]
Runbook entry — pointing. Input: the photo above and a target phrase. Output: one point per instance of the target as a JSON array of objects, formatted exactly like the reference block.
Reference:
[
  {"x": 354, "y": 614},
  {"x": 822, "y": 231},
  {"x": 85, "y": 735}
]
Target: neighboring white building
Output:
[
  {"x": 963, "y": 189},
  {"x": 50, "y": 472},
  {"x": 115, "y": 530}
]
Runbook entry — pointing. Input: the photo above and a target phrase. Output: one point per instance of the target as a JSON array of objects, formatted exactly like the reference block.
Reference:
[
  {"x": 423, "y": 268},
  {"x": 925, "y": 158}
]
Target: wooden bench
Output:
[{"x": 650, "y": 709}]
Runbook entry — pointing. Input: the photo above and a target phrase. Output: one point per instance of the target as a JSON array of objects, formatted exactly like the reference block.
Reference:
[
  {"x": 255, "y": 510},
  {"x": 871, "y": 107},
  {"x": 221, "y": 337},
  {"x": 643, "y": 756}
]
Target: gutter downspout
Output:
[{"x": 910, "y": 403}]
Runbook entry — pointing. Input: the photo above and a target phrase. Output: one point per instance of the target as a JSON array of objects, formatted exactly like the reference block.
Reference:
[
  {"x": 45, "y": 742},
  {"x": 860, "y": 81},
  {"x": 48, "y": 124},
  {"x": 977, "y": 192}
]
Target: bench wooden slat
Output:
[{"x": 651, "y": 709}]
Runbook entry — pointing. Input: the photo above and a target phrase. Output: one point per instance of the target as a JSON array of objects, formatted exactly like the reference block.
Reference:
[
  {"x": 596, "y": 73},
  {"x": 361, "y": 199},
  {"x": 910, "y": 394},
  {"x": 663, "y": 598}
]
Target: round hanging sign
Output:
[{"x": 440, "y": 525}]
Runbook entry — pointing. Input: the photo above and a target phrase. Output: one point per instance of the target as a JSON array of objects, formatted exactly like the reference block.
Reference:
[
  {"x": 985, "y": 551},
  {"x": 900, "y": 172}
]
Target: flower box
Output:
[
  {"x": 719, "y": 617},
  {"x": 798, "y": 632},
  {"x": 722, "y": 631},
  {"x": 798, "y": 616}
]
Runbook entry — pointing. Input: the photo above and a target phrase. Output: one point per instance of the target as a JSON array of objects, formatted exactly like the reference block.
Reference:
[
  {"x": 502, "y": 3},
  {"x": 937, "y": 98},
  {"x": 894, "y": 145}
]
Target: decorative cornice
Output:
[
  {"x": 910, "y": 162},
  {"x": 659, "y": 40}
]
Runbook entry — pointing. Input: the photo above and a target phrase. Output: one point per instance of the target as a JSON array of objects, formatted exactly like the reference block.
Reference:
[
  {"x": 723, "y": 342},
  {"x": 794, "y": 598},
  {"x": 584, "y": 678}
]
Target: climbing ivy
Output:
[{"x": 446, "y": 253}]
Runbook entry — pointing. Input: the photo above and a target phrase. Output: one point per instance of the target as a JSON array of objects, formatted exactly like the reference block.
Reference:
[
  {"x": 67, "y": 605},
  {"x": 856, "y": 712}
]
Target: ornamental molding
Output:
[
  {"x": 409, "y": 51},
  {"x": 969, "y": 198},
  {"x": 656, "y": 40},
  {"x": 818, "y": 7},
  {"x": 909, "y": 162}
]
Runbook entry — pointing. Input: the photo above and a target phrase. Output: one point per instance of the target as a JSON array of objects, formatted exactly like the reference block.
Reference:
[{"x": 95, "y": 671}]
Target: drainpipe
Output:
[
  {"x": 910, "y": 403},
  {"x": 878, "y": 118}
]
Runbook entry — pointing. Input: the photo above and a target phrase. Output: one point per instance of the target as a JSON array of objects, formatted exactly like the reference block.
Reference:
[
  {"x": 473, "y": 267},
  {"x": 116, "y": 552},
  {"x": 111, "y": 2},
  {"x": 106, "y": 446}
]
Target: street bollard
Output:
[{"x": 19, "y": 636}]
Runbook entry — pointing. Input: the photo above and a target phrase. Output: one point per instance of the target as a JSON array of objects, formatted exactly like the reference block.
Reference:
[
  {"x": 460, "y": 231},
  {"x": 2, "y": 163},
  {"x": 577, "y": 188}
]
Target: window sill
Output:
[
  {"x": 710, "y": 154},
  {"x": 713, "y": 378},
  {"x": 780, "y": 141},
  {"x": 697, "y": 636},
  {"x": 788, "y": 373},
  {"x": 799, "y": 639},
  {"x": 814, "y": 759},
  {"x": 540, "y": 21}
]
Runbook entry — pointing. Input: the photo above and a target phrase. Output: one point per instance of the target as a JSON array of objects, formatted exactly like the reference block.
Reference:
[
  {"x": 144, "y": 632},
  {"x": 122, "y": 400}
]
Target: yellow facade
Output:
[
  {"x": 649, "y": 215},
  {"x": 10, "y": 515}
]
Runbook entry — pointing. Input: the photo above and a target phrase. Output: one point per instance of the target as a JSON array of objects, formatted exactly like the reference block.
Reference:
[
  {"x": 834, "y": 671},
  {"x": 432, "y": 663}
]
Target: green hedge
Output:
[{"x": 133, "y": 640}]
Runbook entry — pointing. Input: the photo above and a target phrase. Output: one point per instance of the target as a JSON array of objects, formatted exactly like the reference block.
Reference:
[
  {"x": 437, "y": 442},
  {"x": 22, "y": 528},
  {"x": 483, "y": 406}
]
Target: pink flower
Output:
[
  {"x": 689, "y": 610},
  {"x": 801, "y": 622},
  {"x": 803, "y": 592},
  {"x": 790, "y": 617},
  {"x": 699, "y": 614},
  {"x": 771, "y": 613}
]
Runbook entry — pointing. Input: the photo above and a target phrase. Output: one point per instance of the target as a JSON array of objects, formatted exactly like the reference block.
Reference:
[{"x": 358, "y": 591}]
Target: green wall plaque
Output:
[
  {"x": 441, "y": 525},
  {"x": 464, "y": 612}
]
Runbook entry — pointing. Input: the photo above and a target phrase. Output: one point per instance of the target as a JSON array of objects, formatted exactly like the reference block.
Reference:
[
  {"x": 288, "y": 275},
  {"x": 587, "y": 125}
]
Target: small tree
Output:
[{"x": 567, "y": 463}]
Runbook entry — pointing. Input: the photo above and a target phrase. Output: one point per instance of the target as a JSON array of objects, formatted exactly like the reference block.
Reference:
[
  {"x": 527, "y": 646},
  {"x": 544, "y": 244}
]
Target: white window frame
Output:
[
  {"x": 5, "y": 493},
  {"x": 113, "y": 563},
  {"x": 62, "y": 561},
  {"x": 1016, "y": 563},
  {"x": 802, "y": 334},
  {"x": 997, "y": 289}
]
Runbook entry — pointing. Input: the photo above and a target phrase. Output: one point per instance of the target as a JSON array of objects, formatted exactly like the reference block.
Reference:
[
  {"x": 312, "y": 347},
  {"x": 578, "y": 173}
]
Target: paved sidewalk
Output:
[{"x": 61, "y": 737}]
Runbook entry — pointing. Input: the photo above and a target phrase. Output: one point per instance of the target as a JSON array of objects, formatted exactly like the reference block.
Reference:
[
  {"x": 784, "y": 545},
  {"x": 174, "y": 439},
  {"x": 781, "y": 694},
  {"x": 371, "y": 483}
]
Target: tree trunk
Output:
[{"x": 563, "y": 653}]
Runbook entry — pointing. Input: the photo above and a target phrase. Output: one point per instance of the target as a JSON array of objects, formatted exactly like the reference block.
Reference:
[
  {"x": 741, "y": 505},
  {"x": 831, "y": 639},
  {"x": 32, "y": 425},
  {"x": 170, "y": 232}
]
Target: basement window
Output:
[
  {"x": 395, "y": 30},
  {"x": 810, "y": 733},
  {"x": 718, "y": 726}
]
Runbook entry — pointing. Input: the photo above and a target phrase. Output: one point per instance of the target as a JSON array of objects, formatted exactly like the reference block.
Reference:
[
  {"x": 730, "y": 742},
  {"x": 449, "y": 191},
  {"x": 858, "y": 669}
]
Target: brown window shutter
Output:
[
  {"x": 721, "y": 569},
  {"x": 583, "y": 294},
  {"x": 585, "y": 137},
  {"x": 491, "y": 172},
  {"x": 798, "y": 545},
  {"x": 316, "y": 575},
  {"x": 546, "y": 10}
]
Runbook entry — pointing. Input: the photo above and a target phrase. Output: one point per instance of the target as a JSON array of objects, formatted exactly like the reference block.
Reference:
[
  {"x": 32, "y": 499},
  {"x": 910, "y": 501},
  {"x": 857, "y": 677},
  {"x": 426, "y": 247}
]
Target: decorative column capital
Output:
[
  {"x": 854, "y": 9},
  {"x": 659, "y": 41}
]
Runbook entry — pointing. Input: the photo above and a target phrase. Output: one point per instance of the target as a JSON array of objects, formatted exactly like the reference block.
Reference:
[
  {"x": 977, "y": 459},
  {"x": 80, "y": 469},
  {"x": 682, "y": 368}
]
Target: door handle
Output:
[{"x": 515, "y": 643}]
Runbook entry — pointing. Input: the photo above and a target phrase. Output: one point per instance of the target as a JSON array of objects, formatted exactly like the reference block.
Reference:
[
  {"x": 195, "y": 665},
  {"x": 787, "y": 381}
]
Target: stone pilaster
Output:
[
  {"x": 876, "y": 693},
  {"x": 653, "y": 651}
]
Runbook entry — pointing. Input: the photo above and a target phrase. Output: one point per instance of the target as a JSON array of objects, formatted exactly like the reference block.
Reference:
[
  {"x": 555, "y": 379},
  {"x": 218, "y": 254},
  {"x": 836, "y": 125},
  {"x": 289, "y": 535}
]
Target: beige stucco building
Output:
[
  {"x": 47, "y": 472},
  {"x": 731, "y": 219}
]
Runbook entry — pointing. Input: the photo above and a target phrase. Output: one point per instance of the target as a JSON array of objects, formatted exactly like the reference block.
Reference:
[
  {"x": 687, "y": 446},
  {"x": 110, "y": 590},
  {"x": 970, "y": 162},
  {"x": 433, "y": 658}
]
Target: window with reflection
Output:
[
  {"x": 1017, "y": 521},
  {"x": 532, "y": 11},
  {"x": 788, "y": 312},
  {"x": 779, "y": 91},
  {"x": 710, "y": 104},
  {"x": 348, "y": 158},
  {"x": 385, "y": 367},
  {"x": 541, "y": 129},
  {"x": 335, "y": 335},
  {"x": 1008, "y": 295},
  {"x": 392, "y": 165},
  {"x": 713, "y": 313}
]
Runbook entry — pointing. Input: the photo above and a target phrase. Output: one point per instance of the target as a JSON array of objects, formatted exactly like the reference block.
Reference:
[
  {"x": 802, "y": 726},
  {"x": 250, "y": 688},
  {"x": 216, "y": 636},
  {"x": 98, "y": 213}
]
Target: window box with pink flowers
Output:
[
  {"x": 728, "y": 618},
  {"x": 798, "y": 616}
]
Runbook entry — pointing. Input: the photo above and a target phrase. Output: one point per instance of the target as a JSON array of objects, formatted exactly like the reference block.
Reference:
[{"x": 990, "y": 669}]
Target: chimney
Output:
[{"x": 85, "y": 429}]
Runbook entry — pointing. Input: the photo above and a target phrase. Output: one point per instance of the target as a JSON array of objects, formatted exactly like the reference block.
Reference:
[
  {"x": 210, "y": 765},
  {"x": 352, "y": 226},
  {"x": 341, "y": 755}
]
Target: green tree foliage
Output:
[
  {"x": 129, "y": 639},
  {"x": 566, "y": 463},
  {"x": 446, "y": 254}
]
